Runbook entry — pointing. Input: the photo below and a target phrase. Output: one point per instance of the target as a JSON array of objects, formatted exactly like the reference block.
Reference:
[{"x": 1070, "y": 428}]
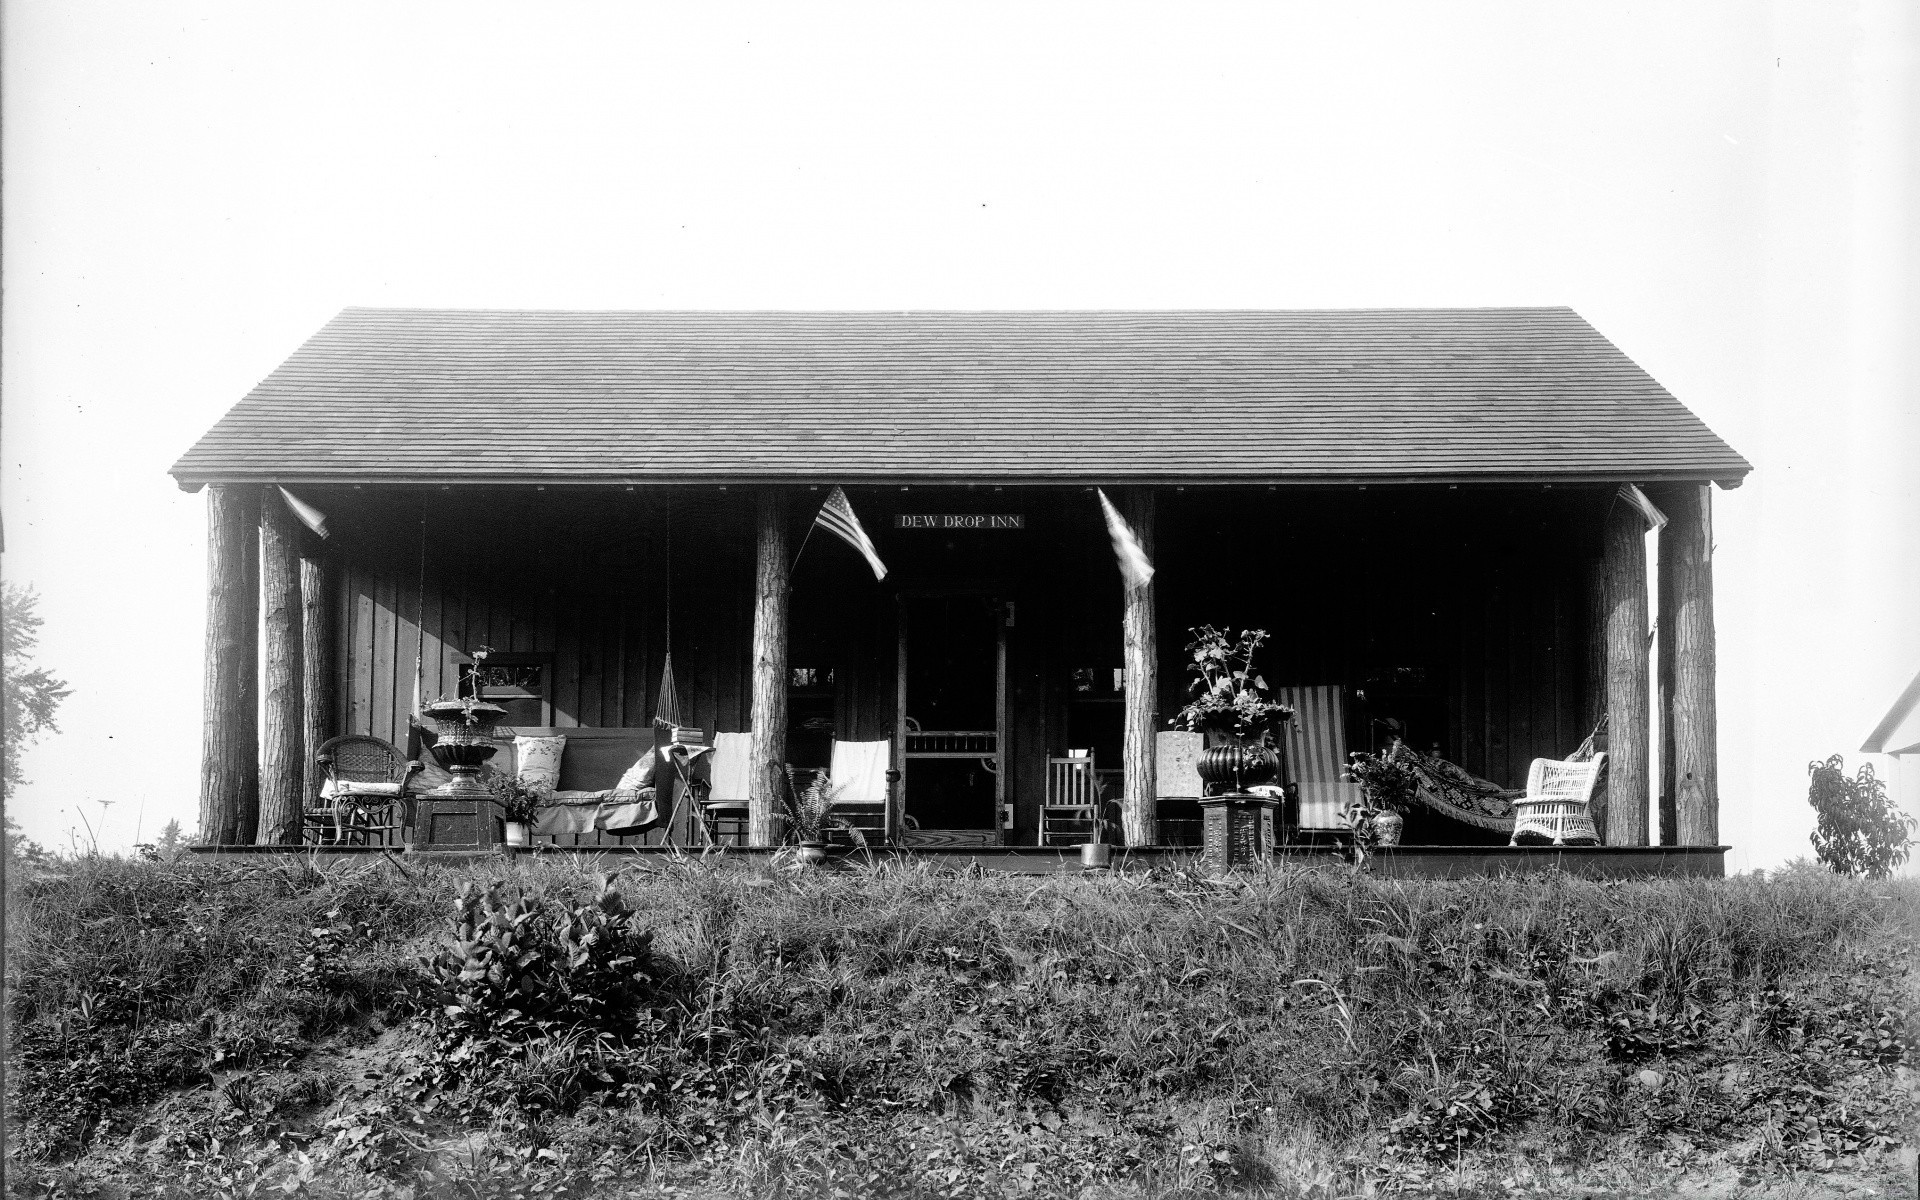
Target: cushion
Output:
[
  {"x": 570, "y": 812},
  {"x": 347, "y": 787},
  {"x": 538, "y": 759},
  {"x": 640, "y": 774}
]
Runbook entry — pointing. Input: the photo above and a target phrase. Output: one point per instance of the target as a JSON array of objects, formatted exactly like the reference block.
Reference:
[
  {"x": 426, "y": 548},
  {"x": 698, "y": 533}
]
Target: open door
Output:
[{"x": 951, "y": 723}]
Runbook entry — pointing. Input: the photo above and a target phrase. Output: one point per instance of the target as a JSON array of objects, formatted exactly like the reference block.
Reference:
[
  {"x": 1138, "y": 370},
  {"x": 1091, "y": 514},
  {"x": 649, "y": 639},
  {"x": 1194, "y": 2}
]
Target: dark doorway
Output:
[{"x": 953, "y": 675}]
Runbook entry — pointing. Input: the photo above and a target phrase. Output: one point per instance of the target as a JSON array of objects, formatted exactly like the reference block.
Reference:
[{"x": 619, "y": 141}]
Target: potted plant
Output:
[
  {"x": 1387, "y": 787},
  {"x": 810, "y": 815},
  {"x": 1228, "y": 702},
  {"x": 518, "y": 802}
]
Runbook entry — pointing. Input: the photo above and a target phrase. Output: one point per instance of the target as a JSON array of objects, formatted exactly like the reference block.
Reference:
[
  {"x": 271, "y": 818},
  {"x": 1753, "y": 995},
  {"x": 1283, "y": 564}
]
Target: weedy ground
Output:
[{"x": 527, "y": 1028}]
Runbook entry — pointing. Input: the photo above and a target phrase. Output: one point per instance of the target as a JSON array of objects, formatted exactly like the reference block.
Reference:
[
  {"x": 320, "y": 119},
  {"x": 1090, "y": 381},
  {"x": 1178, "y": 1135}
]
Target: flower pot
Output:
[
  {"x": 811, "y": 854},
  {"x": 1234, "y": 766},
  {"x": 1387, "y": 826},
  {"x": 518, "y": 833},
  {"x": 1095, "y": 856}
]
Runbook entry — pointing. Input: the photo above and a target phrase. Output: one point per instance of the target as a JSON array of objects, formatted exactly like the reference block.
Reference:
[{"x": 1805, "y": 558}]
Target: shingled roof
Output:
[{"x": 1460, "y": 395}]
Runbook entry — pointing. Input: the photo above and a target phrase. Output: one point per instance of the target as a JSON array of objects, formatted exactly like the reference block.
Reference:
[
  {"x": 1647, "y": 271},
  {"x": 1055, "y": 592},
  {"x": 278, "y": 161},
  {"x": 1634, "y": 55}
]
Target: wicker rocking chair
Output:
[{"x": 365, "y": 801}]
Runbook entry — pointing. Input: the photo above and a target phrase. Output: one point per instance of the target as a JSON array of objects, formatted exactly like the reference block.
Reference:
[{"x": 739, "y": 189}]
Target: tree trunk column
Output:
[
  {"x": 1594, "y": 702},
  {"x": 282, "y": 749},
  {"x": 1624, "y": 554},
  {"x": 229, "y": 748},
  {"x": 320, "y": 692},
  {"x": 1138, "y": 812},
  {"x": 769, "y": 713},
  {"x": 1690, "y": 769}
]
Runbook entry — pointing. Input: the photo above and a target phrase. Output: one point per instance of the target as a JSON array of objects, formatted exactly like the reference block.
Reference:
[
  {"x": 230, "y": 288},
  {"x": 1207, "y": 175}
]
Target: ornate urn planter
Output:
[
  {"x": 465, "y": 729},
  {"x": 459, "y": 815},
  {"x": 1234, "y": 766},
  {"x": 1237, "y": 826}
]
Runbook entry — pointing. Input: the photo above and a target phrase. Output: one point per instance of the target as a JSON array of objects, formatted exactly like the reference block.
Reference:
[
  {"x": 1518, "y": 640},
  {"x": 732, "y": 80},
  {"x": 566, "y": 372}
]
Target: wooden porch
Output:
[{"x": 1488, "y": 625}]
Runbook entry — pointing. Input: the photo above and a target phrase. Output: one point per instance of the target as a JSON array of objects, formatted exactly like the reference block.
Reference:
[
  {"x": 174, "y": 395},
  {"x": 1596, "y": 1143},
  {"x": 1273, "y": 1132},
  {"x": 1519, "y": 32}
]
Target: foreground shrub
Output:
[{"x": 537, "y": 975}]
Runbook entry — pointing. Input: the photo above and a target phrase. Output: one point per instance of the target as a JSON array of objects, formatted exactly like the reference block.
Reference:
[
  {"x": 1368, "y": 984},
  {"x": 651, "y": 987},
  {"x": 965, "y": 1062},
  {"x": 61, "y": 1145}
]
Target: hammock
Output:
[{"x": 1448, "y": 790}]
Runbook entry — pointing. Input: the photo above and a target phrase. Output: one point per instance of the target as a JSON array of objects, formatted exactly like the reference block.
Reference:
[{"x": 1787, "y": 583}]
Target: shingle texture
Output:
[{"x": 1455, "y": 394}]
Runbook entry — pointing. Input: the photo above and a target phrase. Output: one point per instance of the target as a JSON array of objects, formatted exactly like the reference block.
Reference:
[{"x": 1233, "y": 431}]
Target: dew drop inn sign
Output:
[{"x": 959, "y": 521}]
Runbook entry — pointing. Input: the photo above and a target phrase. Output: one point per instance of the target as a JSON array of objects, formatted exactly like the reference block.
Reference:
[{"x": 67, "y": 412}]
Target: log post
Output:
[
  {"x": 1138, "y": 811},
  {"x": 773, "y": 566},
  {"x": 229, "y": 746},
  {"x": 1690, "y": 766},
  {"x": 1624, "y": 552},
  {"x": 319, "y": 685},
  {"x": 282, "y": 773},
  {"x": 1595, "y": 698}
]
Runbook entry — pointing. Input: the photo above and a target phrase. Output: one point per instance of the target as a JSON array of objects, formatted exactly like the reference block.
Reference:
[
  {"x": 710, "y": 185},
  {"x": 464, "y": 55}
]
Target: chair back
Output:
[
  {"x": 1555, "y": 805},
  {"x": 1317, "y": 751},
  {"x": 1566, "y": 782},
  {"x": 861, "y": 791},
  {"x": 859, "y": 772},
  {"x": 1072, "y": 783},
  {"x": 358, "y": 758},
  {"x": 732, "y": 768}
]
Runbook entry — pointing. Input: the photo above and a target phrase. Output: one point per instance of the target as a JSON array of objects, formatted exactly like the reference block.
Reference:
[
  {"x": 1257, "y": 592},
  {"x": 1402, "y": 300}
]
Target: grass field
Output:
[{"x": 702, "y": 1028}]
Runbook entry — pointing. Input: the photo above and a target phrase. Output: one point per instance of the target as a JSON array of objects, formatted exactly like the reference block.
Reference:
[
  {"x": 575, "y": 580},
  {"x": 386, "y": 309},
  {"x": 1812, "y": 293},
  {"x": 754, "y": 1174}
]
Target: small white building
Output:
[{"x": 1898, "y": 736}]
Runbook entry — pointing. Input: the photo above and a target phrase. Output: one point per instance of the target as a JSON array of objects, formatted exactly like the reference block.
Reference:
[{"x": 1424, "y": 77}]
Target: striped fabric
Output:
[
  {"x": 836, "y": 517},
  {"x": 1317, "y": 749}
]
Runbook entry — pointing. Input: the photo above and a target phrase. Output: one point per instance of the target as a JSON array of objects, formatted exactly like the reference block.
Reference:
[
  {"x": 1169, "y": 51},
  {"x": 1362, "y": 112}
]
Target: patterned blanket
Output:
[{"x": 1451, "y": 792}]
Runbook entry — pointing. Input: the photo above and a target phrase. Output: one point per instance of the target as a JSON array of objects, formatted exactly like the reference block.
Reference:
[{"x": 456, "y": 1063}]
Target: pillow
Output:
[
  {"x": 539, "y": 759},
  {"x": 640, "y": 774}
]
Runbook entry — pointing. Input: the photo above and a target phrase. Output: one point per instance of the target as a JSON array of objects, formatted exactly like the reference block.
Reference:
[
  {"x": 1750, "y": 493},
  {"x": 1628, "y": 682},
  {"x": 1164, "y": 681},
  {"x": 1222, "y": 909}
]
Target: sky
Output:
[{"x": 1724, "y": 190}]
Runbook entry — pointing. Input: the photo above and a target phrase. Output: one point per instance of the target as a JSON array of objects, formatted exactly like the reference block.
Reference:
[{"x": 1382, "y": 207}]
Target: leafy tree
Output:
[
  {"x": 1860, "y": 831},
  {"x": 31, "y": 697}
]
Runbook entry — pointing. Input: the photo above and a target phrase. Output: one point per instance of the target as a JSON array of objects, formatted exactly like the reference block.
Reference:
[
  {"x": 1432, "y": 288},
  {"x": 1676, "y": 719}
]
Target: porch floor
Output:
[{"x": 1402, "y": 862}]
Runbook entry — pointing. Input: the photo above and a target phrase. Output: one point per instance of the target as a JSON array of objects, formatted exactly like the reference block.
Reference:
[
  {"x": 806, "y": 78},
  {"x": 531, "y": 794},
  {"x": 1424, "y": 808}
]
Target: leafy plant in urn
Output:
[
  {"x": 1387, "y": 789},
  {"x": 1228, "y": 702}
]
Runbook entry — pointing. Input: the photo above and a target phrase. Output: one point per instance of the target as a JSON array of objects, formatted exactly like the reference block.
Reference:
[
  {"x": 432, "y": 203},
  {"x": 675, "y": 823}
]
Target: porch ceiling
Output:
[{"x": 1413, "y": 395}]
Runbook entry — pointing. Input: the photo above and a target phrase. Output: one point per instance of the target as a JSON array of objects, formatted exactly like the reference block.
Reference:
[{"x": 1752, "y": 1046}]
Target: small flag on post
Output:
[
  {"x": 836, "y": 517},
  {"x": 1126, "y": 545},
  {"x": 1634, "y": 496},
  {"x": 309, "y": 516}
]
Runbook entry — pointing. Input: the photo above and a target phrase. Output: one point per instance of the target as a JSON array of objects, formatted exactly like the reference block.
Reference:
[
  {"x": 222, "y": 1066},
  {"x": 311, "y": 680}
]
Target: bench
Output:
[{"x": 594, "y": 761}]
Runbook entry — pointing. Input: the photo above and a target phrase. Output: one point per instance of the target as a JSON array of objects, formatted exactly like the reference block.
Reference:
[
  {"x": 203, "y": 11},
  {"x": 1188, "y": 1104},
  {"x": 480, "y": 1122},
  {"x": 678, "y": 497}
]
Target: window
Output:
[{"x": 520, "y": 683}]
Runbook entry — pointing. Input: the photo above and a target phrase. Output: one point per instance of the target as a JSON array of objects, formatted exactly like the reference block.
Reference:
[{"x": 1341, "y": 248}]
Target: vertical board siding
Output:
[{"x": 1484, "y": 594}]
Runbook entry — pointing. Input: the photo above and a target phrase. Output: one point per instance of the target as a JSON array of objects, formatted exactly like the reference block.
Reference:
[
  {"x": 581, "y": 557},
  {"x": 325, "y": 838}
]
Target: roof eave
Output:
[{"x": 193, "y": 481}]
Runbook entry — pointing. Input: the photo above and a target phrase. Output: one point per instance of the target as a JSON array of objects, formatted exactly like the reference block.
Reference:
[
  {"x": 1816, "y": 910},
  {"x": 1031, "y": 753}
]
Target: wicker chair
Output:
[
  {"x": 1555, "y": 805},
  {"x": 366, "y": 794}
]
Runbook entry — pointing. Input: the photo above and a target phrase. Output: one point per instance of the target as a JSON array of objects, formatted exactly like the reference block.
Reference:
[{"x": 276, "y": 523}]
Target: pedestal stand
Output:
[{"x": 1237, "y": 831}]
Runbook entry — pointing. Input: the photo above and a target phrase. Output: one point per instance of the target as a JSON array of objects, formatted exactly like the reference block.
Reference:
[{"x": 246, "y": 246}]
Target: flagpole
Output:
[{"x": 803, "y": 544}]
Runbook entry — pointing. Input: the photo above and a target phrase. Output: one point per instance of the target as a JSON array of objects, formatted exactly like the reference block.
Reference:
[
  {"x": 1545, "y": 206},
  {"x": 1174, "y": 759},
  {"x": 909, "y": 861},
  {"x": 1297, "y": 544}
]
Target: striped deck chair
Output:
[{"x": 1317, "y": 749}]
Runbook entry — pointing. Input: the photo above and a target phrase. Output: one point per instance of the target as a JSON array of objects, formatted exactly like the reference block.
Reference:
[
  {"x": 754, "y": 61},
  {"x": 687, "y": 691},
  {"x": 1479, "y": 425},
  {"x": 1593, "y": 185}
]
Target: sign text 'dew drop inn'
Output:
[{"x": 959, "y": 521}]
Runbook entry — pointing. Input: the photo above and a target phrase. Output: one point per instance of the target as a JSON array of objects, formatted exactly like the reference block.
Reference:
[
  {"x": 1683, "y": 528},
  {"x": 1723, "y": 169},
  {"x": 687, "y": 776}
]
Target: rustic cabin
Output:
[{"x": 1424, "y": 508}]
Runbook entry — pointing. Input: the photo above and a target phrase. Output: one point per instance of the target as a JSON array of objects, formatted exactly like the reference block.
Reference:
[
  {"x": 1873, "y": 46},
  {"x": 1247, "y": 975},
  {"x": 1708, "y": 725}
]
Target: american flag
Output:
[
  {"x": 836, "y": 517},
  {"x": 1126, "y": 545},
  {"x": 1647, "y": 509}
]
